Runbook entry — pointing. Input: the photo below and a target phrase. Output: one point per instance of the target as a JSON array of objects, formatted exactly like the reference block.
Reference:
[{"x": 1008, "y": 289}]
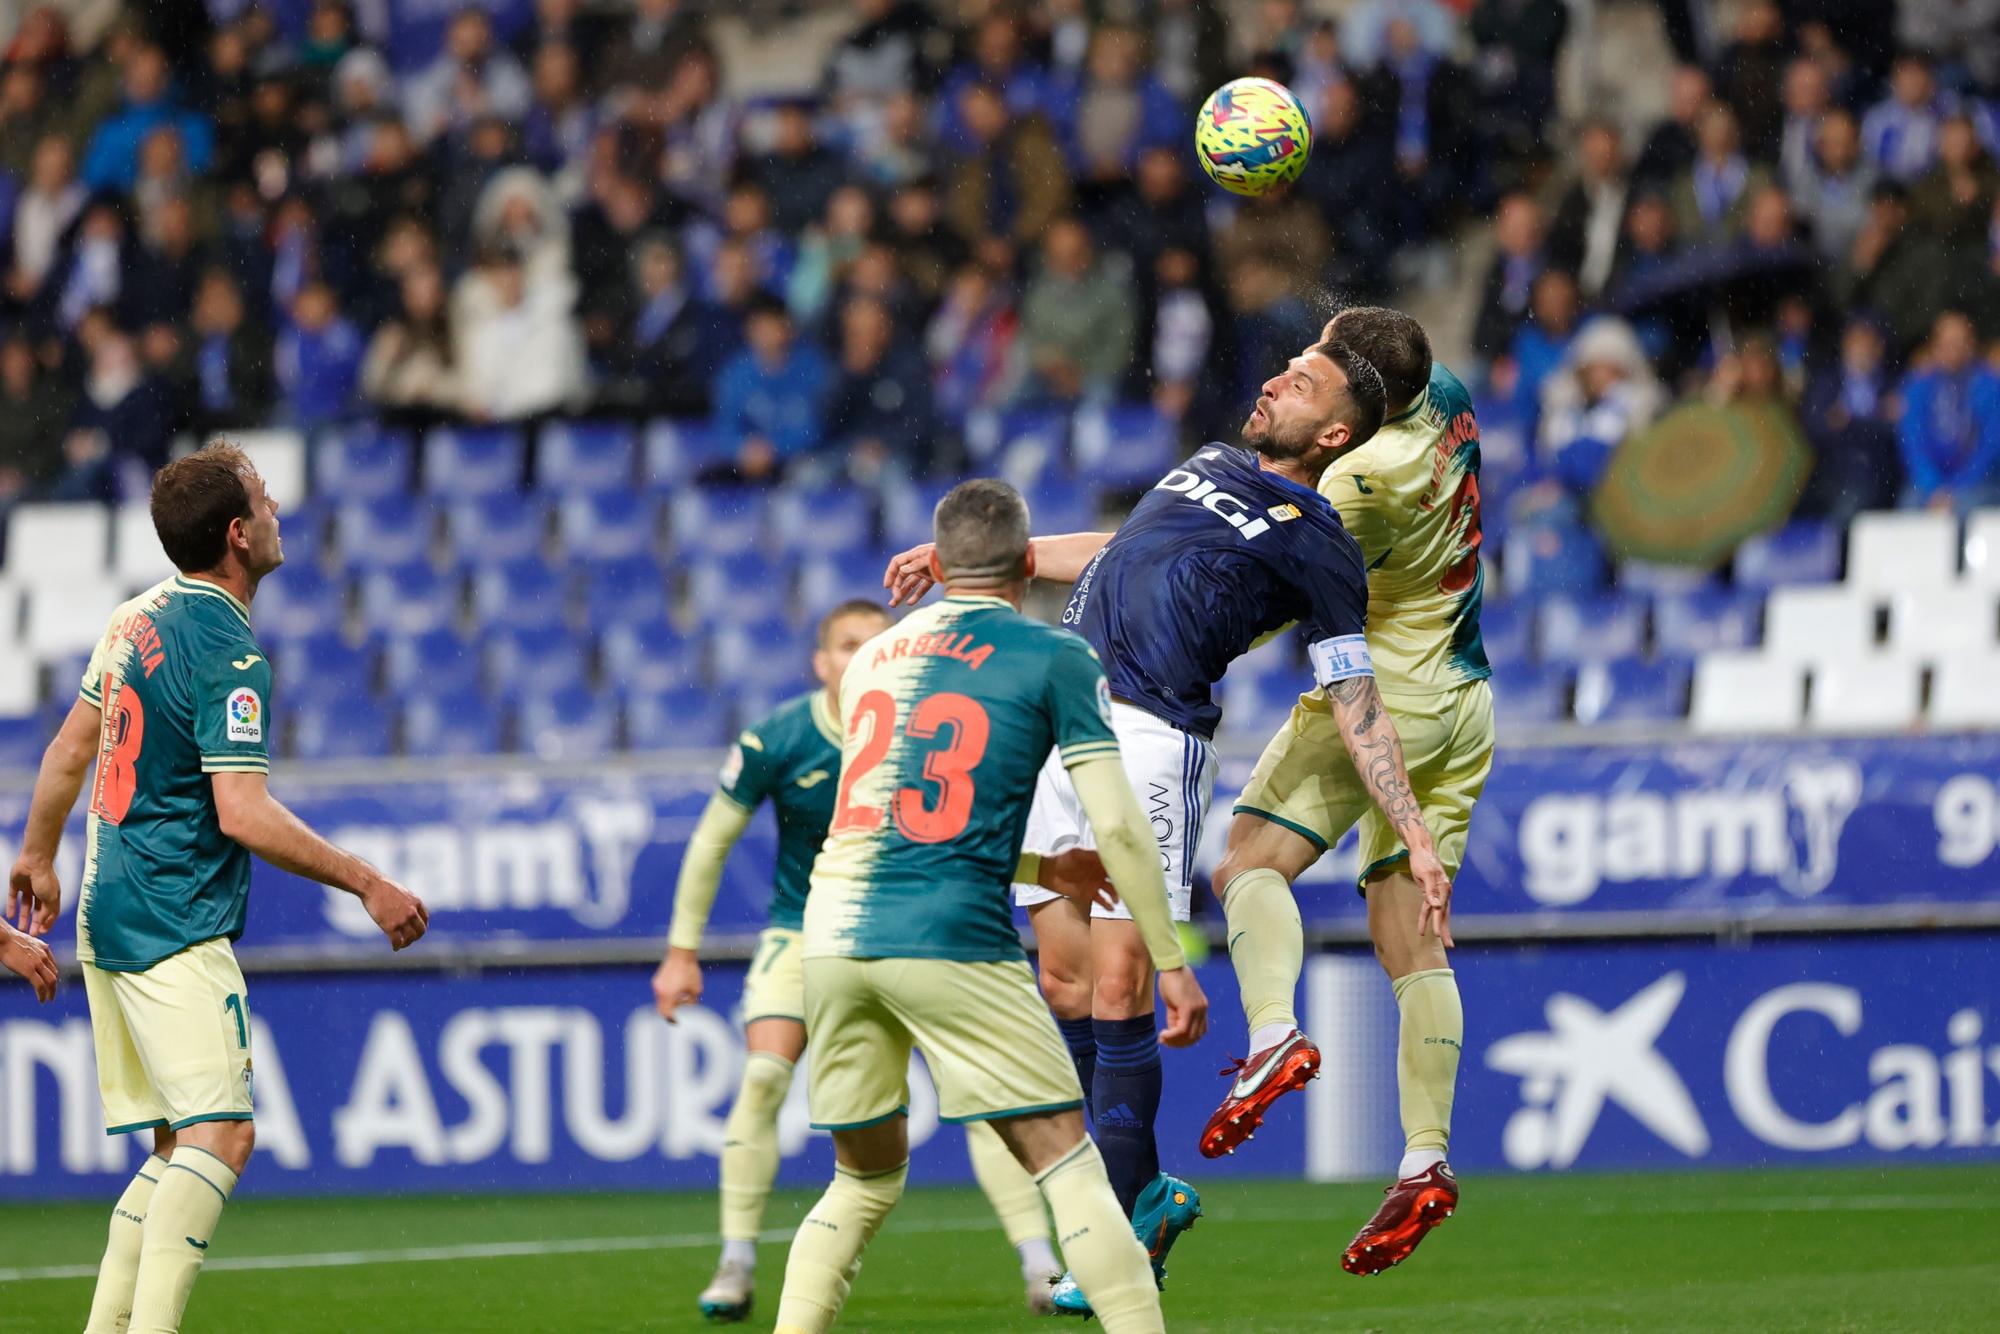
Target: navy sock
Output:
[
  {"x": 1125, "y": 1100},
  {"x": 1081, "y": 1038}
]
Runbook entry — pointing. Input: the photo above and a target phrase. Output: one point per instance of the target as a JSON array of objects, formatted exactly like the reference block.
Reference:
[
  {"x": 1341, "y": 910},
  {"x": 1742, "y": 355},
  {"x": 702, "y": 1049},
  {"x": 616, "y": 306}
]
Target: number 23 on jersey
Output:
[{"x": 961, "y": 721}]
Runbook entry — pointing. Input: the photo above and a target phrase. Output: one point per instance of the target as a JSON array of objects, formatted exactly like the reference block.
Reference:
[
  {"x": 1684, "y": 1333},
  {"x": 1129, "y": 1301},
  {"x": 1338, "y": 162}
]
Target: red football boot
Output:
[
  {"x": 1415, "y": 1206},
  {"x": 1260, "y": 1081}
]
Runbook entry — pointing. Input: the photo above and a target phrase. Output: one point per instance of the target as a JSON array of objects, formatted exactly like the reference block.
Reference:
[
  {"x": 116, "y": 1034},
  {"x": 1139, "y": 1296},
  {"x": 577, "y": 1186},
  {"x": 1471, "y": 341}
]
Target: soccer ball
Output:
[{"x": 1252, "y": 134}]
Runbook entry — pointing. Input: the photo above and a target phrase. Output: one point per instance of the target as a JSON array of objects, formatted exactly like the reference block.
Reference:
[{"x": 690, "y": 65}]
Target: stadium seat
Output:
[
  {"x": 321, "y": 663},
  {"x": 1805, "y": 551},
  {"x": 630, "y": 591},
  {"x": 521, "y": 662},
  {"x": 748, "y": 587},
  {"x": 69, "y": 619},
  {"x": 1124, "y": 446},
  {"x": 410, "y": 599},
  {"x": 54, "y": 543},
  {"x": 386, "y": 531},
  {"x": 828, "y": 581},
  {"x": 1591, "y": 628},
  {"x": 279, "y": 456},
  {"x": 22, "y": 741},
  {"x": 1745, "y": 692},
  {"x": 450, "y": 722},
  {"x": 906, "y": 513},
  {"x": 585, "y": 458},
  {"x": 1982, "y": 548},
  {"x": 1963, "y": 694},
  {"x": 299, "y": 600},
  {"x": 1871, "y": 692},
  {"x": 520, "y": 594},
  {"x": 1544, "y": 558},
  {"x": 474, "y": 461},
  {"x": 650, "y": 656},
  {"x": 675, "y": 452},
  {"x": 20, "y": 684},
  {"x": 1897, "y": 550},
  {"x": 1689, "y": 624},
  {"x": 1530, "y": 695},
  {"x": 496, "y": 529},
  {"x": 336, "y": 726},
  {"x": 762, "y": 653},
  {"x": 1817, "y": 624},
  {"x": 822, "y": 521},
  {"x": 608, "y": 527},
  {"x": 303, "y": 527},
  {"x": 573, "y": 723},
  {"x": 12, "y": 600},
  {"x": 1059, "y": 505},
  {"x": 136, "y": 558},
  {"x": 1507, "y": 631},
  {"x": 759, "y": 702},
  {"x": 437, "y": 661},
  {"x": 718, "y": 520},
  {"x": 1632, "y": 692},
  {"x": 362, "y": 463},
  {"x": 677, "y": 718},
  {"x": 1930, "y": 624}
]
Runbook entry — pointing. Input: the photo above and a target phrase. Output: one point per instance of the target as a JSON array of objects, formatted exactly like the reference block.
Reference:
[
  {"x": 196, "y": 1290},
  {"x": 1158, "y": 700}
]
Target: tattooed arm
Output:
[{"x": 1370, "y": 737}]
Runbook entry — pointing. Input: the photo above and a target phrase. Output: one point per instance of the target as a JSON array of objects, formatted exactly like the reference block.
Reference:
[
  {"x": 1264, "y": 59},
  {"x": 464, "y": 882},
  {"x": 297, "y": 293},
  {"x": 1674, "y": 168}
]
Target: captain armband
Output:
[{"x": 1340, "y": 659}]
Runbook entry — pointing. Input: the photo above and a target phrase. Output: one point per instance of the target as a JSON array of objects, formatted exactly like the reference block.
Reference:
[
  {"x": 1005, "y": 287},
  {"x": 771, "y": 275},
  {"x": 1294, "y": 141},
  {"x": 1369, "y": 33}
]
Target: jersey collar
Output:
[
  {"x": 823, "y": 716},
  {"x": 202, "y": 586},
  {"x": 979, "y": 599},
  {"x": 1417, "y": 404}
]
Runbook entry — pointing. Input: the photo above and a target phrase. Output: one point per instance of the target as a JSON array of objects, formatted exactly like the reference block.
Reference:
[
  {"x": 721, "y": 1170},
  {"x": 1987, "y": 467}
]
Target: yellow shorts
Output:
[
  {"x": 1306, "y": 782},
  {"x": 173, "y": 1042},
  {"x": 984, "y": 1030},
  {"x": 775, "y": 987}
]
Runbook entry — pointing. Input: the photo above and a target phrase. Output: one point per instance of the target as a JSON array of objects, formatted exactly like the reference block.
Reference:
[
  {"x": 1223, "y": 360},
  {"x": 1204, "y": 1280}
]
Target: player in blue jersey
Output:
[
  {"x": 175, "y": 710},
  {"x": 1230, "y": 547}
]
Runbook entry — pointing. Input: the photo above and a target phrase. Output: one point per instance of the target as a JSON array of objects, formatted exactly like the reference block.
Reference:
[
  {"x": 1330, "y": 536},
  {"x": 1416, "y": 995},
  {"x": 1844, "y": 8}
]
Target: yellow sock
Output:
[
  {"x": 1009, "y": 1188},
  {"x": 1097, "y": 1243},
  {"x": 180, "y": 1223},
  {"x": 826, "y": 1253},
  {"x": 111, "y": 1304},
  {"x": 750, "y": 1144},
  {"x": 1432, "y": 1035},
  {"x": 1266, "y": 944}
]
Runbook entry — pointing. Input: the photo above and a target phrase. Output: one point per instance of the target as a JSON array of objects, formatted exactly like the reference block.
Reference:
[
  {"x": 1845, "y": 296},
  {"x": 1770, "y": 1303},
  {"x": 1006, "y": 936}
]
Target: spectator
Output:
[
  {"x": 1849, "y": 418},
  {"x": 879, "y": 424},
  {"x": 1518, "y": 258},
  {"x": 1269, "y": 324},
  {"x": 1283, "y": 227},
  {"x": 26, "y": 118},
  {"x": 1953, "y": 200},
  {"x": 1366, "y": 37},
  {"x": 93, "y": 273},
  {"x": 770, "y": 402},
  {"x": 670, "y": 345},
  {"x": 167, "y": 267},
  {"x": 895, "y": 149},
  {"x": 1183, "y": 333},
  {"x": 1750, "y": 77},
  {"x": 650, "y": 50},
  {"x": 926, "y": 250},
  {"x": 112, "y": 160},
  {"x": 1950, "y": 428},
  {"x": 409, "y": 374},
  {"x": 1603, "y": 391},
  {"x": 472, "y": 79},
  {"x": 35, "y": 409},
  {"x": 998, "y": 64},
  {"x": 42, "y": 215},
  {"x": 1349, "y": 162},
  {"x": 1113, "y": 114},
  {"x": 561, "y": 122},
  {"x": 1895, "y": 270},
  {"x": 225, "y": 371},
  {"x": 623, "y": 209},
  {"x": 970, "y": 343},
  {"x": 1540, "y": 344},
  {"x": 1833, "y": 184},
  {"x": 1963, "y": 35},
  {"x": 1163, "y": 212},
  {"x": 1519, "y": 44},
  {"x": 1059, "y": 32},
  {"x": 798, "y": 175},
  {"x": 1710, "y": 198},
  {"x": 1320, "y": 64},
  {"x": 566, "y": 24},
  {"x": 701, "y": 128},
  {"x": 520, "y": 353},
  {"x": 1190, "y": 47},
  {"x": 1076, "y": 321},
  {"x": 1419, "y": 95},
  {"x": 1807, "y": 97},
  {"x": 318, "y": 359},
  {"x": 1669, "y": 150},
  {"x": 1585, "y": 234},
  {"x": 1900, "y": 132},
  {"x": 1010, "y": 182},
  {"x": 828, "y": 249}
]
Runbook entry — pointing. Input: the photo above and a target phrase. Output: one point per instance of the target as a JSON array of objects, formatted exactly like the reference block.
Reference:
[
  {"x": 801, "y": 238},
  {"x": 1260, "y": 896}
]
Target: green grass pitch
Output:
[{"x": 1862, "y": 1249}]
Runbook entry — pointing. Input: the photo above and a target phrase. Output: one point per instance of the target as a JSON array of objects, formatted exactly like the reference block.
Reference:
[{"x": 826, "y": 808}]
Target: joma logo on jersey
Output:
[{"x": 1234, "y": 512}]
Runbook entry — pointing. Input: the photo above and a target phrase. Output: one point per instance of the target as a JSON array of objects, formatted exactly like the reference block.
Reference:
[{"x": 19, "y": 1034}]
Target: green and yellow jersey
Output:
[
  {"x": 949, "y": 715},
  {"x": 1410, "y": 497},
  {"x": 186, "y": 693},
  {"x": 793, "y": 758}
]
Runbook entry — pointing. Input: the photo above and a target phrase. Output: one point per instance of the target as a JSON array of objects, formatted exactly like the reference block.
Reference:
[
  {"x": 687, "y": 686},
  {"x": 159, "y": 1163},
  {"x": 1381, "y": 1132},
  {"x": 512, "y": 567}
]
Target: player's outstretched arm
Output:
[
  {"x": 34, "y": 896},
  {"x": 1059, "y": 559},
  {"x": 1371, "y": 739},
  {"x": 1125, "y": 843},
  {"x": 677, "y": 981},
  {"x": 27, "y": 958},
  {"x": 251, "y": 816}
]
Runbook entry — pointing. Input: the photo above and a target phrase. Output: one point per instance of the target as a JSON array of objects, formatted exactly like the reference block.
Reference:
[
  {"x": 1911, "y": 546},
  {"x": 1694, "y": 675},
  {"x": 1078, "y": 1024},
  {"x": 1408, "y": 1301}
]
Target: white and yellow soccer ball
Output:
[{"x": 1252, "y": 135}]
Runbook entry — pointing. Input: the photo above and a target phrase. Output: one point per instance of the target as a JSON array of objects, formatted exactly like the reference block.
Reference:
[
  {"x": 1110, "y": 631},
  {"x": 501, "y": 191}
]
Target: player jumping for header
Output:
[{"x": 1231, "y": 546}]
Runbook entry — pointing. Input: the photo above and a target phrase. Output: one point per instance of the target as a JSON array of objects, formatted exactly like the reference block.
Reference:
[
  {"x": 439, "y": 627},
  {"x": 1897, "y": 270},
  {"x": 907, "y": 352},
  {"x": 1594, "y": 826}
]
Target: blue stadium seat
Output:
[
  {"x": 434, "y": 661},
  {"x": 1531, "y": 694},
  {"x": 386, "y": 531},
  {"x": 1594, "y": 627},
  {"x": 474, "y": 461},
  {"x": 492, "y": 530},
  {"x": 651, "y": 657},
  {"x": 409, "y": 599},
  {"x": 748, "y": 587},
  {"x": 22, "y": 741},
  {"x": 1507, "y": 631},
  {"x": 303, "y": 527},
  {"x": 523, "y": 594},
  {"x": 906, "y": 513},
  {"x": 300, "y": 599},
  {"x": 450, "y": 722},
  {"x": 522, "y": 662},
  {"x": 758, "y": 654},
  {"x": 585, "y": 458},
  {"x": 361, "y": 462},
  {"x": 321, "y": 663},
  {"x": 1631, "y": 691},
  {"x": 608, "y": 527},
  {"x": 338, "y": 726},
  {"x": 630, "y": 591},
  {"x": 719, "y": 520},
  {"x": 677, "y": 718},
  {"x": 1805, "y": 551},
  {"x": 1687, "y": 625},
  {"x": 822, "y": 521},
  {"x": 674, "y": 452},
  {"x": 828, "y": 581},
  {"x": 1125, "y": 446},
  {"x": 755, "y": 704},
  {"x": 573, "y": 723},
  {"x": 1541, "y": 559},
  {"x": 1063, "y": 505}
]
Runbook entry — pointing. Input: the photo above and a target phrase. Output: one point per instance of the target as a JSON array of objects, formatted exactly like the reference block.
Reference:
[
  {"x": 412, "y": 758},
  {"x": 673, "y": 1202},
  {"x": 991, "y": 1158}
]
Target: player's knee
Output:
[
  {"x": 1066, "y": 990},
  {"x": 766, "y": 1081},
  {"x": 231, "y": 1141},
  {"x": 1123, "y": 987}
]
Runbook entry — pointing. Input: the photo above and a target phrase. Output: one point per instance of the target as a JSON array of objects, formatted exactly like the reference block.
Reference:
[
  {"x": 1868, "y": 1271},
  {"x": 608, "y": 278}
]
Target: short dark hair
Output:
[
  {"x": 1365, "y": 403},
  {"x": 851, "y": 607},
  {"x": 194, "y": 501},
  {"x": 1393, "y": 343},
  {"x": 981, "y": 527}
]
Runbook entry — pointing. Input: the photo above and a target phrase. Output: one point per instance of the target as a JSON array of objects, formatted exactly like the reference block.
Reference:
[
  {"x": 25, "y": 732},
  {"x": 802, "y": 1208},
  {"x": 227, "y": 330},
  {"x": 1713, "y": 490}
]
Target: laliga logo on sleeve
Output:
[{"x": 245, "y": 715}]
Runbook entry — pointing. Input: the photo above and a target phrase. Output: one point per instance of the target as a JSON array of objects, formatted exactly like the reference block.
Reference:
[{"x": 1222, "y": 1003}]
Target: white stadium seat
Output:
[
  {"x": 20, "y": 683},
  {"x": 1873, "y": 692},
  {"x": 1963, "y": 691},
  {"x": 1982, "y": 548},
  {"x": 70, "y": 619},
  {"x": 57, "y": 543},
  {"x": 1891, "y": 551},
  {"x": 136, "y": 558},
  {"x": 280, "y": 459},
  {"x": 1745, "y": 692},
  {"x": 1929, "y": 624},
  {"x": 1818, "y": 624}
]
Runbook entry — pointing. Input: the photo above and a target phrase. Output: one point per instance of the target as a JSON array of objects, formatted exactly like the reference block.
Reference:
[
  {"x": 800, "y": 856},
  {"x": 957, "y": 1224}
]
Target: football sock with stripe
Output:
[
  {"x": 1080, "y": 1036},
  {"x": 1106, "y": 1260},
  {"x": 111, "y": 1303},
  {"x": 1011, "y": 1192},
  {"x": 750, "y": 1145},
  {"x": 180, "y": 1223},
  {"x": 1125, "y": 1101},
  {"x": 826, "y": 1253},
  {"x": 1427, "y": 1051},
  {"x": 1267, "y": 947}
]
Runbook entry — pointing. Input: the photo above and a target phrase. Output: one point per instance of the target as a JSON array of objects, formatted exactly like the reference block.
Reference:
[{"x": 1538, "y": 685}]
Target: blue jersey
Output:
[{"x": 1217, "y": 555}]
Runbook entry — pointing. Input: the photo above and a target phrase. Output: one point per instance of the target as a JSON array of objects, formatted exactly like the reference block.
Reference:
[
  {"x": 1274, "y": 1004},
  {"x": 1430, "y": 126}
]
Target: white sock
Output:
[
  {"x": 739, "y": 1253},
  {"x": 1418, "y": 1161},
  {"x": 1037, "y": 1257},
  {"x": 1266, "y": 1036}
]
